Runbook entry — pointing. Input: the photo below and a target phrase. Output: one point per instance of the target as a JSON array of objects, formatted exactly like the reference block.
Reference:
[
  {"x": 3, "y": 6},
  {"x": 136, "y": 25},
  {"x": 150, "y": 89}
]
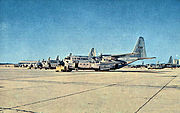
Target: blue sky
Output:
[{"x": 37, "y": 29}]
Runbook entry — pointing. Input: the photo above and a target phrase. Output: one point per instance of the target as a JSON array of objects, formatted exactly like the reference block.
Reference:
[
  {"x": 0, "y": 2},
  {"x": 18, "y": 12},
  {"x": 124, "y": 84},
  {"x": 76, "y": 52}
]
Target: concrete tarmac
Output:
[{"x": 121, "y": 91}]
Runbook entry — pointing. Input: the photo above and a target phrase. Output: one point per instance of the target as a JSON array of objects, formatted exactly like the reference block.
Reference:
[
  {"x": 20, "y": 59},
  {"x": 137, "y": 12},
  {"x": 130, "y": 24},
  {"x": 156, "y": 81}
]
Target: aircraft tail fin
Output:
[
  {"x": 57, "y": 57},
  {"x": 140, "y": 48},
  {"x": 170, "y": 60},
  {"x": 49, "y": 58},
  {"x": 92, "y": 53}
]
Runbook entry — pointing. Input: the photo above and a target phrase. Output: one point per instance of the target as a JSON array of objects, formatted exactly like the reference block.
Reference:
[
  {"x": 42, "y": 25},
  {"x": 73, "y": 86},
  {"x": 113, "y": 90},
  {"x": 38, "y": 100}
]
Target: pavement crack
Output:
[
  {"x": 154, "y": 95},
  {"x": 64, "y": 96},
  {"x": 71, "y": 94},
  {"x": 18, "y": 110}
]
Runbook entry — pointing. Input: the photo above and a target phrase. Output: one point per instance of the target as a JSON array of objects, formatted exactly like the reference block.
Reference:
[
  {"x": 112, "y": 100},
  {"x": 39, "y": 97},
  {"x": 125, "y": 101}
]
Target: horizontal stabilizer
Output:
[
  {"x": 122, "y": 55},
  {"x": 146, "y": 58}
]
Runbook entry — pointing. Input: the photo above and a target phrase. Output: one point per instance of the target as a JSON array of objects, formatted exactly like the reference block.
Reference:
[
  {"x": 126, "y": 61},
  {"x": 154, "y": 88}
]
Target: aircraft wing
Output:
[{"x": 122, "y": 55}]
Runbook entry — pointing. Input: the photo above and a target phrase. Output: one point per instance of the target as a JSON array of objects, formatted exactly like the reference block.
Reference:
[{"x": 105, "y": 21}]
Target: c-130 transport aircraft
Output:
[{"x": 105, "y": 62}]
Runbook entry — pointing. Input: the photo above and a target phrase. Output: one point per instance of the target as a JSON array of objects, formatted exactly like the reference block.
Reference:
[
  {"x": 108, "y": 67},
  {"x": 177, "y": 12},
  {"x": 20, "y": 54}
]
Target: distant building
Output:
[
  {"x": 27, "y": 62},
  {"x": 6, "y": 65},
  {"x": 176, "y": 61}
]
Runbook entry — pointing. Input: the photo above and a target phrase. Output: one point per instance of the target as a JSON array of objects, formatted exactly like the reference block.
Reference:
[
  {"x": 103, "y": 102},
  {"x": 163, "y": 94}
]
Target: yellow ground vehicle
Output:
[
  {"x": 59, "y": 68},
  {"x": 62, "y": 69},
  {"x": 28, "y": 67}
]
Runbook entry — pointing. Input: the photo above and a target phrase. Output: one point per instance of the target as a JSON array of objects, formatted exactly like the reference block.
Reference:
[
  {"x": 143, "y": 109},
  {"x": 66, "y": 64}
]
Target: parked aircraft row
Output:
[
  {"x": 158, "y": 65},
  {"x": 103, "y": 62},
  {"x": 170, "y": 64}
]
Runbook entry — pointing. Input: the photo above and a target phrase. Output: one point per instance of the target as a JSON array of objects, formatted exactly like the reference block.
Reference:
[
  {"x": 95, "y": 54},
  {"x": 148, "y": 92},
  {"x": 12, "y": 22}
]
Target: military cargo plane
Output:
[
  {"x": 106, "y": 62},
  {"x": 51, "y": 64}
]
